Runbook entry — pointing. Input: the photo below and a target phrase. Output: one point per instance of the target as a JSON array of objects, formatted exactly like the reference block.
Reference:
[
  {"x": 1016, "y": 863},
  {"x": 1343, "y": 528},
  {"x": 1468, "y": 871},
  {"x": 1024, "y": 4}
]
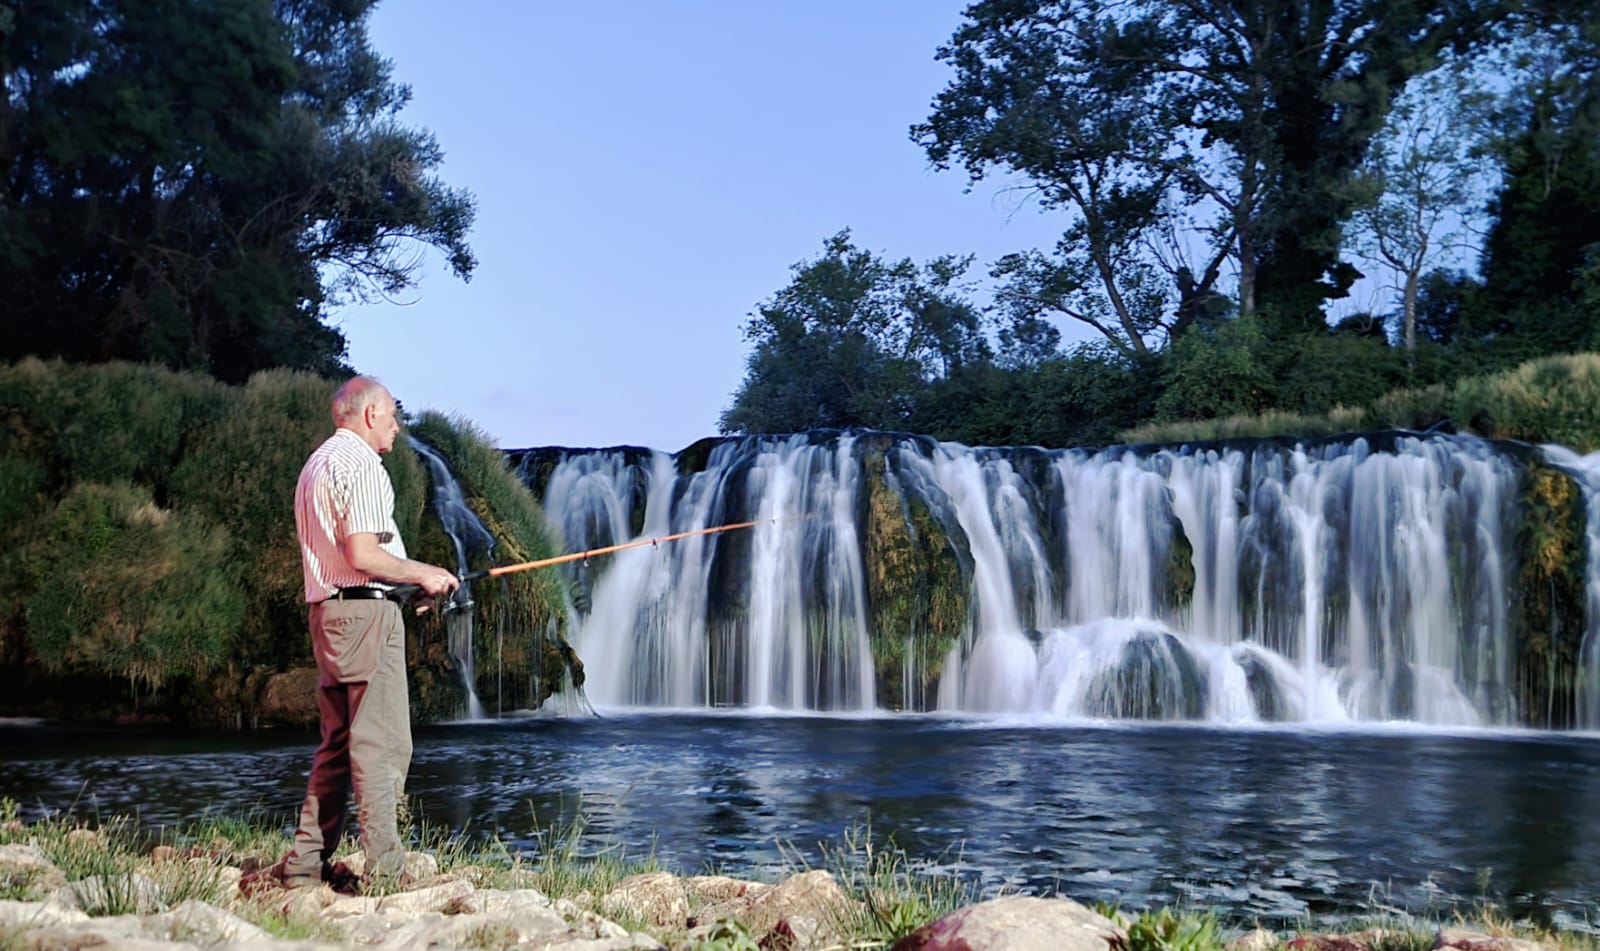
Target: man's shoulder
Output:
[{"x": 341, "y": 456}]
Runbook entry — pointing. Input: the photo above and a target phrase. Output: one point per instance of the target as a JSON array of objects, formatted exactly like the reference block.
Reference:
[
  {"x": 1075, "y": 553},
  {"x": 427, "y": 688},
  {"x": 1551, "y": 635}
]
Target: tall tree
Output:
[
  {"x": 853, "y": 341},
  {"x": 1428, "y": 182},
  {"x": 194, "y": 181},
  {"x": 1546, "y": 213},
  {"x": 1228, "y": 131}
]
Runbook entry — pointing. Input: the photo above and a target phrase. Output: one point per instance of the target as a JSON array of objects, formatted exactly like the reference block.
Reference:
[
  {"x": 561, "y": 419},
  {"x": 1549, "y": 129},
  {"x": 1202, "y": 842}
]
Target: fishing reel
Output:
[{"x": 459, "y": 600}]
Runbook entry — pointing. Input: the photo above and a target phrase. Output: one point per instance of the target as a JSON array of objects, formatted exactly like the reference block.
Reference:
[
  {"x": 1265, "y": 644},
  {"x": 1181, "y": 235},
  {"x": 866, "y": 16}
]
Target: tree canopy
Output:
[
  {"x": 1184, "y": 138},
  {"x": 194, "y": 182}
]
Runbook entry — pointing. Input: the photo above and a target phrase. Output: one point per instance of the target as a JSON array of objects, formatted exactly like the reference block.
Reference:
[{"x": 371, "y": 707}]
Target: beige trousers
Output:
[{"x": 366, "y": 736}]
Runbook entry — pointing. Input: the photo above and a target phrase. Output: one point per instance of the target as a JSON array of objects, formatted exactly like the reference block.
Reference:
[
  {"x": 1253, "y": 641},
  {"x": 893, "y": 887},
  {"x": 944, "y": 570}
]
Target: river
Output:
[{"x": 1275, "y": 824}]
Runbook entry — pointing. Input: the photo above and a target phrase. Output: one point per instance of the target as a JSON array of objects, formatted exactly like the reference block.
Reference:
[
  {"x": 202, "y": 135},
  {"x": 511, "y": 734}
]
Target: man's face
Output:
[{"x": 383, "y": 426}]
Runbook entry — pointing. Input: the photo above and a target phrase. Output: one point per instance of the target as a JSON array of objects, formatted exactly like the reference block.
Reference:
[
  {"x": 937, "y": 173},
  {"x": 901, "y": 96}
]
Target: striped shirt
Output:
[{"x": 343, "y": 490}]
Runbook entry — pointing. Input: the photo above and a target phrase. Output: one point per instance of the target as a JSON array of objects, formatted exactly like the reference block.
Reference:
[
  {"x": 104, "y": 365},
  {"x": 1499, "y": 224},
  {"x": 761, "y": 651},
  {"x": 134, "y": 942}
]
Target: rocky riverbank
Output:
[{"x": 204, "y": 898}]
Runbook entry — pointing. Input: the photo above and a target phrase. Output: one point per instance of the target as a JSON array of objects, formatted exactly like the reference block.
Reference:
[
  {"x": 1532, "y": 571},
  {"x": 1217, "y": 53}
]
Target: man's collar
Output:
[{"x": 343, "y": 431}]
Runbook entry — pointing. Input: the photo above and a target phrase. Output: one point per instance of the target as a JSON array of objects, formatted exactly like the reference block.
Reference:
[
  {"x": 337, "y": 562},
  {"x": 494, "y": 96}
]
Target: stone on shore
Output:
[{"x": 1019, "y": 923}]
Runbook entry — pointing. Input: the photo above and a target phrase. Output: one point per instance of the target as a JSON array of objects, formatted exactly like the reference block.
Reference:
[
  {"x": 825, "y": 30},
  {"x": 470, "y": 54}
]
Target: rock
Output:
[
  {"x": 27, "y": 874},
  {"x": 1464, "y": 940},
  {"x": 205, "y": 925},
  {"x": 1018, "y": 923},
  {"x": 288, "y": 699},
  {"x": 718, "y": 888},
  {"x": 656, "y": 898},
  {"x": 98, "y": 895},
  {"x": 805, "y": 911},
  {"x": 15, "y": 915},
  {"x": 1258, "y": 940},
  {"x": 433, "y": 899},
  {"x": 1367, "y": 940},
  {"x": 421, "y": 868}
]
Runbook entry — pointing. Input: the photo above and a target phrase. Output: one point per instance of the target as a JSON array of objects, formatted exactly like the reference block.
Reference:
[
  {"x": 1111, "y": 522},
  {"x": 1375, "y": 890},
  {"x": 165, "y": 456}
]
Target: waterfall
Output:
[
  {"x": 1364, "y": 579},
  {"x": 467, "y": 533}
]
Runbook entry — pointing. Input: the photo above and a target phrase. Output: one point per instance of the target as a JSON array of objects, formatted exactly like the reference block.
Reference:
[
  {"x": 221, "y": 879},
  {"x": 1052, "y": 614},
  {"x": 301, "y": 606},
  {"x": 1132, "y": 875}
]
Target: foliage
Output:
[
  {"x": 916, "y": 590},
  {"x": 1217, "y": 371},
  {"x": 1554, "y": 399},
  {"x": 526, "y": 605},
  {"x": 1080, "y": 398},
  {"x": 243, "y": 467},
  {"x": 852, "y": 342},
  {"x": 124, "y": 588},
  {"x": 1424, "y": 185},
  {"x": 726, "y": 936},
  {"x": 169, "y": 561},
  {"x": 1158, "y": 127},
  {"x": 897, "y": 894},
  {"x": 1166, "y": 930},
  {"x": 191, "y": 182}
]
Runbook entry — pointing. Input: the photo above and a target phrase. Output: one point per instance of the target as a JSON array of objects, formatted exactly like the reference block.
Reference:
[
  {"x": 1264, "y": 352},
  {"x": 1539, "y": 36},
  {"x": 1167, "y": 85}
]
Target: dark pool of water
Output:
[{"x": 1267, "y": 824}]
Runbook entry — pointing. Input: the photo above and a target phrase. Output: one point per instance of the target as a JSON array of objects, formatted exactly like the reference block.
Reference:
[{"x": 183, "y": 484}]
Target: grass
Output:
[{"x": 892, "y": 893}]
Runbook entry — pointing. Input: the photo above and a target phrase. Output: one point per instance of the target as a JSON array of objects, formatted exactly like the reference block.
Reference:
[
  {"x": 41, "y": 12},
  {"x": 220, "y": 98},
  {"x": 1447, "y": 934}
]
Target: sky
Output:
[{"x": 646, "y": 177}]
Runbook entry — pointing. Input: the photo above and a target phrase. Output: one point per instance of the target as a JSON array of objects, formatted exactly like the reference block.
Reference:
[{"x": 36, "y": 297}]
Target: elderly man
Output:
[{"x": 352, "y": 555}]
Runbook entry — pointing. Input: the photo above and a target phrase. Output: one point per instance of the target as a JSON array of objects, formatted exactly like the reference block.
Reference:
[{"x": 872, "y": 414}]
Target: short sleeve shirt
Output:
[{"x": 343, "y": 490}]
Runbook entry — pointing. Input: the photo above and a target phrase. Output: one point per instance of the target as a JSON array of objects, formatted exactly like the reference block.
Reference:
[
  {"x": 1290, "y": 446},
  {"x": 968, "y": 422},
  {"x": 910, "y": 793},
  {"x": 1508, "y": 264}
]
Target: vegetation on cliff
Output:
[{"x": 148, "y": 562}]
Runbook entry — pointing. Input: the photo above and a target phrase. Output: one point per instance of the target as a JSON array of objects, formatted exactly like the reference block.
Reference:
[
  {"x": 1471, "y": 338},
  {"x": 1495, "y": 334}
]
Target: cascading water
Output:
[
  {"x": 1368, "y": 579},
  {"x": 467, "y": 533}
]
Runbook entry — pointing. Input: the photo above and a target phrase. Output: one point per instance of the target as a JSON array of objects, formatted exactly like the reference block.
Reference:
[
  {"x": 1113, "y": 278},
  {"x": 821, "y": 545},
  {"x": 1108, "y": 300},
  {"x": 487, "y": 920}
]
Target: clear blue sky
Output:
[{"x": 646, "y": 174}]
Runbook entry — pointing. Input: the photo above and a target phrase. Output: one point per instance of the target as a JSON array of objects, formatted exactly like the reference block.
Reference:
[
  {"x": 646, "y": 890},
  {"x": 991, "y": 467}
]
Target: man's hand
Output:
[{"x": 435, "y": 580}]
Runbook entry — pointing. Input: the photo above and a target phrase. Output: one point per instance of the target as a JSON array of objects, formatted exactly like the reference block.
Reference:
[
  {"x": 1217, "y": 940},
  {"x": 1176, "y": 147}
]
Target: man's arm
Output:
[{"x": 362, "y": 551}]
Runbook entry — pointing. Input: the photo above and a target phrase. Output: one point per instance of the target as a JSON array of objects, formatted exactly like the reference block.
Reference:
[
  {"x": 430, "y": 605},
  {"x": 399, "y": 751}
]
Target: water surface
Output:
[{"x": 1263, "y": 823}]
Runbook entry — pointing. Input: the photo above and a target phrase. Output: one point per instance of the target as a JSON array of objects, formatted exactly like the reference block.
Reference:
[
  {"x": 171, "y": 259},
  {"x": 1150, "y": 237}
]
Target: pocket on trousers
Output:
[{"x": 349, "y": 641}]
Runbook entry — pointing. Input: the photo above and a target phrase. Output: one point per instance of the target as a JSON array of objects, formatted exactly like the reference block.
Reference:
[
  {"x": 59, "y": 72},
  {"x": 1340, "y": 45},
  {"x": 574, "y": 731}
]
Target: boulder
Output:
[
  {"x": 288, "y": 699},
  {"x": 1368, "y": 940},
  {"x": 26, "y": 874},
  {"x": 802, "y": 912},
  {"x": 1258, "y": 940},
  {"x": 1464, "y": 940},
  {"x": 655, "y": 898},
  {"x": 1019, "y": 923}
]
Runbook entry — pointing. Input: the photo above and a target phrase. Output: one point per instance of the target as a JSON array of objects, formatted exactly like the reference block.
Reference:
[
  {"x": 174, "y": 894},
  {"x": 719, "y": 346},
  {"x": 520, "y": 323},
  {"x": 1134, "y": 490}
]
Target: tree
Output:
[
  {"x": 1185, "y": 136},
  {"x": 1426, "y": 181},
  {"x": 194, "y": 181},
  {"x": 1546, "y": 213},
  {"x": 852, "y": 341}
]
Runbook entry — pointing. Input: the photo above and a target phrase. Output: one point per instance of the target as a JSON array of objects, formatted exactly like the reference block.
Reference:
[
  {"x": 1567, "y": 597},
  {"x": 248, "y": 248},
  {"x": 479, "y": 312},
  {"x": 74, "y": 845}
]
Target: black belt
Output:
[{"x": 360, "y": 594}]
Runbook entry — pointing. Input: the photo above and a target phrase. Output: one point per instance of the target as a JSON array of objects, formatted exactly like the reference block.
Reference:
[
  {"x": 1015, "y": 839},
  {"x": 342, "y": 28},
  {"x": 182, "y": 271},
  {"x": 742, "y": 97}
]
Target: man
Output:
[{"x": 351, "y": 552}]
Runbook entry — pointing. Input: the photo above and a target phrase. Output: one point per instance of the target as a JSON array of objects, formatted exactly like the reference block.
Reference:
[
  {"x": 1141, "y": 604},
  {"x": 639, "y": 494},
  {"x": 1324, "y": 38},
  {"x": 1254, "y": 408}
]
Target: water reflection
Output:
[{"x": 1271, "y": 824}]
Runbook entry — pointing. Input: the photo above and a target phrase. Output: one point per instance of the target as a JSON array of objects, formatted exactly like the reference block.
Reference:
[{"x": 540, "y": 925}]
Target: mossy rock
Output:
[{"x": 1551, "y": 550}]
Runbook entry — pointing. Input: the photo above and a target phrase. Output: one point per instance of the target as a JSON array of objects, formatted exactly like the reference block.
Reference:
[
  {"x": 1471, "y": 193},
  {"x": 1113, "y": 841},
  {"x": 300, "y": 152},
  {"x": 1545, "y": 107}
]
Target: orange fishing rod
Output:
[
  {"x": 406, "y": 590},
  {"x": 586, "y": 555}
]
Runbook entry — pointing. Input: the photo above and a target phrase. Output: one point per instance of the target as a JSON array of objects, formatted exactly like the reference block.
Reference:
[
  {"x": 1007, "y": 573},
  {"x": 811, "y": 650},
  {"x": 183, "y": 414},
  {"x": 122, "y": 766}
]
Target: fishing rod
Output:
[{"x": 404, "y": 591}]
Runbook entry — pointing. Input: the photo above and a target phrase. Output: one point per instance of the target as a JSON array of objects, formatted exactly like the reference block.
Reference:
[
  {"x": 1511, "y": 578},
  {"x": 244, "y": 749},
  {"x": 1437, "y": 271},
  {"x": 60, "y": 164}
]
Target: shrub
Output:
[{"x": 124, "y": 588}]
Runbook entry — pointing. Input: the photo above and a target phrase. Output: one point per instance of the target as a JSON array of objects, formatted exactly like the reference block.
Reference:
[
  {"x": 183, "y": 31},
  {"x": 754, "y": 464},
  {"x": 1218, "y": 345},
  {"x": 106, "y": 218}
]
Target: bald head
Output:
[
  {"x": 355, "y": 395},
  {"x": 365, "y": 407}
]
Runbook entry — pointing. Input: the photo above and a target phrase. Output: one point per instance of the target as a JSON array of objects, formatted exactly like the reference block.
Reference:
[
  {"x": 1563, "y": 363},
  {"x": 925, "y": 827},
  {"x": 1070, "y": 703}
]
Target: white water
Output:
[
  {"x": 467, "y": 533},
  {"x": 1333, "y": 583}
]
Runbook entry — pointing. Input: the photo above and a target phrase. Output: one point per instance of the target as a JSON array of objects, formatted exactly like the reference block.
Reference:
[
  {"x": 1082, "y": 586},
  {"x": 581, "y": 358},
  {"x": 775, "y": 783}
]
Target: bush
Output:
[
  {"x": 124, "y": 588},
  {"x": 116, "y": 422},
  {"x": 241, "y": 471}
]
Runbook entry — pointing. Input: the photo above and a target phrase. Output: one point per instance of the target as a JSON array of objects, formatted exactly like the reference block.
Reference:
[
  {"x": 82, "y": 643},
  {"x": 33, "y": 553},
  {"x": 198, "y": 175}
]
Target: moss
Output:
[
  {"x": 1549, "y": 613},
  {"x": 915, "y": 589},
  {"x": 520, "y": 618},
  {"x": 1178, "y": 592}
]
